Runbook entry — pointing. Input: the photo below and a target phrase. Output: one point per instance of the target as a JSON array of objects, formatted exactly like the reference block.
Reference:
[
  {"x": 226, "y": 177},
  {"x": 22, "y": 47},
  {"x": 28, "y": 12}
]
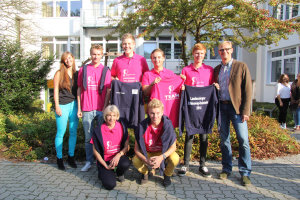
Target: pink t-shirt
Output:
[
  {"x": 90, "y": 98},
  {"x": 168, "y": 91},
  {"x": 129, "y": 69},
  {"x": 150, "y": 76},
  {"x": 112, "y": 139},
  {"x": 152, "y": 138},
  {"x": 203, "y": 76}
]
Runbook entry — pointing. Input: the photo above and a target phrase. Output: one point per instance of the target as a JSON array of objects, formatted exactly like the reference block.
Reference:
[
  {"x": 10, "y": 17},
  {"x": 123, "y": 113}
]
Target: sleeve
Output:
[
  {"x": 107, "y": 83},
  {"x": 144, "y": 65},
  {"x": 145, "y": 79},
  {"x": 92, "y": 141},
  {"x": 212, "y": 77},
  {"x": 114, "y": 68},
  {"x": 181, "y": 111},
  {"x": 278, "y": 88},
  {"x": 247, "y": 91},
  {"x": 79, "y": 80}
]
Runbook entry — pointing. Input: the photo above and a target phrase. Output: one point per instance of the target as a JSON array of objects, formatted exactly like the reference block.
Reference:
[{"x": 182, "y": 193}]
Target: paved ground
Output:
[{"x": 271, "y": 179}]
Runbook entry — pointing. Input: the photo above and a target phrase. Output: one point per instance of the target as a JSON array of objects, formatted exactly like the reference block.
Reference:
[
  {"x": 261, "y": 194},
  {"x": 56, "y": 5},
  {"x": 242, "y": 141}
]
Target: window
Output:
[
  {"x": 58, "y": 45},
  {"x": 177, "y": 51},
  {"x": 286, "y": 11},
  {"x": 285, "y": 61},
  {"x": 66, "y": 8}
]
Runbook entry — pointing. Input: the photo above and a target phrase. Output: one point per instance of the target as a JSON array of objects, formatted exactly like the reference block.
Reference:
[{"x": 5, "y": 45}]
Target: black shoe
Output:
[
  {"x": 167, "y": 180},
  {"x": 144, "y": 178},
  {"x": 204, "y": 171},
  {"x": 121, "y": 178},
  {"x": 183, "y": 170},
  {"x": 71, "y": 161},
  {"x": 60, "y": 164}
]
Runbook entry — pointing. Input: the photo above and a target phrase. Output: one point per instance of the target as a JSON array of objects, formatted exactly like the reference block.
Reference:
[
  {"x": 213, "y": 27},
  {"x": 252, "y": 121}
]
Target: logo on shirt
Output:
[
  {"x": 172, "y": 95},
  {"x": 125, "y": 72},
  {"x": 150, "y": 142},
  {"x": 194, "y": 80},
  {"x": 108, "y": 144}
]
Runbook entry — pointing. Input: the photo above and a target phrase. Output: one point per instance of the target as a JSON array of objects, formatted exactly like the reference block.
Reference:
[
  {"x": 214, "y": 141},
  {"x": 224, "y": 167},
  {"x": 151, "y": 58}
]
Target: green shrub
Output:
[{"x": 22, "y": 76}]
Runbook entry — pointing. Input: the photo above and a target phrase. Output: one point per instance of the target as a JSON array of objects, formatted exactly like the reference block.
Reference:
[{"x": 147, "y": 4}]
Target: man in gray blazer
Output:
[{"x": 235, "y": 86}]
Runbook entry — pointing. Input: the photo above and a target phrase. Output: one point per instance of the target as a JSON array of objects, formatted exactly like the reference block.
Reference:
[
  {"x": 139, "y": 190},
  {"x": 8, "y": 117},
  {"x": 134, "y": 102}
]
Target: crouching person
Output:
[
  {"x": 155, "y": 144},
  {"x": 110, "y": 144}
]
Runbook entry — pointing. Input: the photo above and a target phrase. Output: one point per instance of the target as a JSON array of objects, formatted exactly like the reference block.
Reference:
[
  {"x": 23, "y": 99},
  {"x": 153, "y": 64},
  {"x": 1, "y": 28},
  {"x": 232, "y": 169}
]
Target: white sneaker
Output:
[{"x": 86, "y": 167}]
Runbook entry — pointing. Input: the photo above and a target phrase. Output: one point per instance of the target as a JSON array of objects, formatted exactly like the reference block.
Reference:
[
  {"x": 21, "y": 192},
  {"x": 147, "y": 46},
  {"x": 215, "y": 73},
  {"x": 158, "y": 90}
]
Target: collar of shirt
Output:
[
  {"x": 194, "y": 68},
  {"x": 162, "y": 71},
  {"x": 134, "y": 55},
  {"x": 227, "y": 67}
]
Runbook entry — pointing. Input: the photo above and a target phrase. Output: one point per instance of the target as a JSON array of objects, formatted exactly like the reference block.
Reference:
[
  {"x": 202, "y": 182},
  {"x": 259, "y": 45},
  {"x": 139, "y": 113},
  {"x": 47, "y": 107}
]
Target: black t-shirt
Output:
[{"x": 65, "y": 96}]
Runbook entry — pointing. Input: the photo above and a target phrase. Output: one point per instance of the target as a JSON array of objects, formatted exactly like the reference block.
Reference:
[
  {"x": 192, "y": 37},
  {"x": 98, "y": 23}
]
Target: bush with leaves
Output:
[{"x": 22, "y": 76}]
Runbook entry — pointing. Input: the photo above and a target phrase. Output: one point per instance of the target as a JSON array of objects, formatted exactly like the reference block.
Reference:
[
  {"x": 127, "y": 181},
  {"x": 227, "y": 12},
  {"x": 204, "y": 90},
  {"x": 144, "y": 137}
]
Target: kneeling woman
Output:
[
  {"x": 155, "y": 144},
  {"x": 111, "y": 143}
]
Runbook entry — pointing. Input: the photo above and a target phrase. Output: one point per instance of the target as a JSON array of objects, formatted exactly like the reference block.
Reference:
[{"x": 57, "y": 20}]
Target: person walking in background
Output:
[
  {"x": 129, "y": 67},
  {"x": 234, "y": 80},
  {"x": 65, "y": 93},
  {"x": 155, "y": 144},
  {"x": 197, "y": 74},
  {"x": 110, "y": 144},
  {"x": 93, "y": 96},
  {"x": 295, "y": 103},
  {"x": 282, "y": 100}
]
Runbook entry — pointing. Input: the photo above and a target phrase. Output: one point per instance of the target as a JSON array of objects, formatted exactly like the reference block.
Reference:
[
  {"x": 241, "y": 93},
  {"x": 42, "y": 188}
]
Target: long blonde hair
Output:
[{"x": 64, "y": 81}]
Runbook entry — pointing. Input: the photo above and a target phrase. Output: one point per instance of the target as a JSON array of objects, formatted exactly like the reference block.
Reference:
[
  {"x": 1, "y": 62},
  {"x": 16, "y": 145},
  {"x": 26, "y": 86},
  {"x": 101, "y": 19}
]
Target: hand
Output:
[
  {"x": 115, "y": 161},
  {"x": 217, "y": 86},
  {"x": 58, "y": 111},
  {"x": 79, "y": 114},
  {"x": 183, "y": 76},
  {"x": 148, "y": 162},
  {"x": 182, "y": 87},
  {"x": 157, "y": 80},
  {"x": 156, "y": 161},
  {"x": 245, "y": 118}
]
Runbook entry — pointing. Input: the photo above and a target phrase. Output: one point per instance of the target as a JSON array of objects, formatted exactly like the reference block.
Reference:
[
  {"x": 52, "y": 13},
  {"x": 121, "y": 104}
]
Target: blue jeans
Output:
[
  {"x": 88, "y": 121},
  {"x": 69, "y": 113},
  {"x": 296, "y": 114},
  {"x": 244, "y": 163}
]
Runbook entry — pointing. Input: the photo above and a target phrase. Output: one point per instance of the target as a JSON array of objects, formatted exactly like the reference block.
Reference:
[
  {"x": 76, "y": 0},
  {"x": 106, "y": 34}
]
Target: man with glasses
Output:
[{"x": 235, "y": 85}]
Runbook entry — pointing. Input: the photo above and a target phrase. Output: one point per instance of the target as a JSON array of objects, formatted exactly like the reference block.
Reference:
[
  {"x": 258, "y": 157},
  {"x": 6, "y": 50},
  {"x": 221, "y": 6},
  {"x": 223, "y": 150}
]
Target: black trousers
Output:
[
  {"x": 283, "y": 110},
  {"x": 188, "y": 148},
  {"x": 108, "y": 177}
]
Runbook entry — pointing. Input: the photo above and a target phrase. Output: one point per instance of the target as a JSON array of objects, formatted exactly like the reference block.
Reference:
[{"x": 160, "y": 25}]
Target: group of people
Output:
[
  {"x": 87, "y": 94},
  {"x": 287, "y": 96}
]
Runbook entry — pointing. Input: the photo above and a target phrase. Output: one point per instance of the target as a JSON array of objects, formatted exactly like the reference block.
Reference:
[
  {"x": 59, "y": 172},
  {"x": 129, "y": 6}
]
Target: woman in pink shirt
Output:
[
  {"x": 129, "y": 67},
  {"x": 199, "y": 75},
  {"x": 110, "y": 144}
]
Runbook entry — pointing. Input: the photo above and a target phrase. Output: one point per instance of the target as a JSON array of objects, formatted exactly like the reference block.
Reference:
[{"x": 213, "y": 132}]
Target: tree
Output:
[
  {"x": 22, "y": 76},
  {"x": 14, "y": 21},
  {"x": 241, "y": 21}
]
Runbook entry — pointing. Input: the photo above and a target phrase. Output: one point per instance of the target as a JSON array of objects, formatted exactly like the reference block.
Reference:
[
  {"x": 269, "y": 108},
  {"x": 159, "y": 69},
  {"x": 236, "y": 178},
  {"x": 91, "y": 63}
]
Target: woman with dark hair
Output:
[
  {"x": 282, "y": 99},
  {"x": 65, "y": 93},
  {"x": 295, "y": 103},
  {"x": 110, "y": 144}
]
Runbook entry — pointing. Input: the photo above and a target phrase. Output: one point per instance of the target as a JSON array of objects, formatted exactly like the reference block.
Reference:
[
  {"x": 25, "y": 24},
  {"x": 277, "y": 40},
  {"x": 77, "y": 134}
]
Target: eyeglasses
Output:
[{"x": 225, "y": 49}]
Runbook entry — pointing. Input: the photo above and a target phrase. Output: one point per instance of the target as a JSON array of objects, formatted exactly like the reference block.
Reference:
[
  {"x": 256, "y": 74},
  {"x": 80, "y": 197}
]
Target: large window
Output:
[
  {"x": 58, "y": 45},
  {"x": 285, "y": 11},
  {"x": 104, "y": 8},
  {"x": 168, "y": 44},
  {"x": 57, "y": 8},
  {"x": 285, "y": 61}
]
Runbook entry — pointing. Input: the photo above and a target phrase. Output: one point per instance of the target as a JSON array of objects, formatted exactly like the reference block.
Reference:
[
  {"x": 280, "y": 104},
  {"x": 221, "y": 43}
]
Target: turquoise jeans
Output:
[{"x": 69, "y": 113}]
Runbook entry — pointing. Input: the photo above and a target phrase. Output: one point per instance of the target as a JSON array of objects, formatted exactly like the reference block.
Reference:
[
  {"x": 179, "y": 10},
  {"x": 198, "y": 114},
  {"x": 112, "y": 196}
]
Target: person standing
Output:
[
  {"x": 282, "y": 100},
  {"x": 197, "y": 74},
  {"x": 93, "y": 96},
  {"x": 129, "y": 67},
  {"x": 235, "y": 85},
  {"x": 295, "y": 103},
  {"x": 65, "y": 93}
]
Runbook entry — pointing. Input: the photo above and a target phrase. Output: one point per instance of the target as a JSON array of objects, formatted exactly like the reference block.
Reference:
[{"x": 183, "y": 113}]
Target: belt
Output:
[{"x": 225, "y": 102}]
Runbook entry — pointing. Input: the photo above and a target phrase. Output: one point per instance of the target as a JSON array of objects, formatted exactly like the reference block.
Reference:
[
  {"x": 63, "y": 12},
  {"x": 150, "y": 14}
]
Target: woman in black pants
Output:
[
  {"x": 282, "y": 99},
  {"x": 110, "y": 144}
]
